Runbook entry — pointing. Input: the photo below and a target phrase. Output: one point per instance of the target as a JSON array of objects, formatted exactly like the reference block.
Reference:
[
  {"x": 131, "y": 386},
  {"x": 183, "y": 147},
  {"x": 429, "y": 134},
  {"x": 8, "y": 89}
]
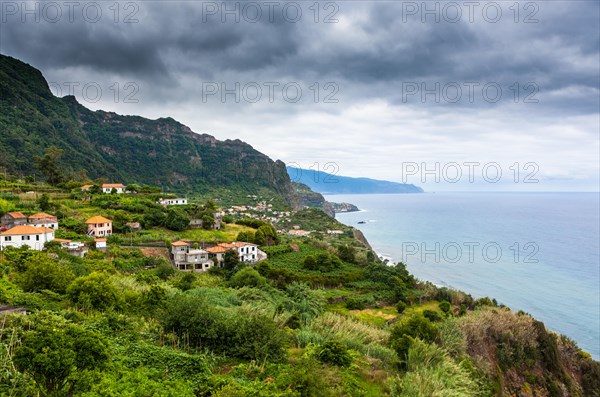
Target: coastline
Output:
[{"x": 517, "y": 285}]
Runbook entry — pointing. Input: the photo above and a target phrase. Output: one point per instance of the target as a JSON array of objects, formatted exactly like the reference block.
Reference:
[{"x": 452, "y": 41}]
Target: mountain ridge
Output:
[
  {"x": 127, "y": 149},
  {"x": 325, "y": 183}
]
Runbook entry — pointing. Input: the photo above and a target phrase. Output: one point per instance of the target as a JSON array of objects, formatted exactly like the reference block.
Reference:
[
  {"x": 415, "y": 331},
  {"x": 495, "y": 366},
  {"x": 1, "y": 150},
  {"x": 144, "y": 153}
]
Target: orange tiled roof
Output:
[
  {"x": 216, "y": 250},
  {"x": 100, "y": 240},
  {"x": 86, "y": 186},
  {"x": 16, "y": 215},
  {"x": 111, "y": 185},
  {"x": 235, "y": 244},
  {"x": 25, "y": 230},
  {"x": 180, "y": 244},
  {"x": 98, "y": 219},
  {"x": 42, "y": 215}
]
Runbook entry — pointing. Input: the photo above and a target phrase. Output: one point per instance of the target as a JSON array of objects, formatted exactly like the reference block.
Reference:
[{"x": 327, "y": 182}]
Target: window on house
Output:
[
  {"x": 8, "y": 238},
  {"x": 37, "y": 238}
]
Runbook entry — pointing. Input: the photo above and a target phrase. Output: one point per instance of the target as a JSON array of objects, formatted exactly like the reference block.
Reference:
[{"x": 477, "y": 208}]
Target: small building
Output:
[
  {"x": 174, "y": 201},
  {"x": 75, "y": 248},
  {"x": 134, "y": 226},
  {"x": 298, "y": 233},
  {"x": 107, "y": 188},
  {"x": 99, "y": 226},
  {"x": 190, "y": 259},
  {"x": 100, "y": 244},
  {"x": 33, "y": 237},
  {"x": 12, "y": 219},
  {"x": 336, "y": 231},
  {"x": 43, "y": 220}
]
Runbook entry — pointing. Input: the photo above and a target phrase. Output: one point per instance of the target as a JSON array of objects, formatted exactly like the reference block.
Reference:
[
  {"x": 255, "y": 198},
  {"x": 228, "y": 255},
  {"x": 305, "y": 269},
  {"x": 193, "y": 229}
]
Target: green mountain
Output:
[
  {"x": 326, "y": 183},
  {"x": 126, "y": 149}
]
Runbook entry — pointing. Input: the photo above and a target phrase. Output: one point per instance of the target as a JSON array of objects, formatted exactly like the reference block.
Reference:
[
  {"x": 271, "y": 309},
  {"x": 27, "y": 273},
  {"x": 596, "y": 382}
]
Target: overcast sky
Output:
[{"x": 404, "y": 91}]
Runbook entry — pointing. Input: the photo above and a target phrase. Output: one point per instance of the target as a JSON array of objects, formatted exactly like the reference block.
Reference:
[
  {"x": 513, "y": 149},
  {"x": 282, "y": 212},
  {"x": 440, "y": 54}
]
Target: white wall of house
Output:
[
  {"x": 33, "y": 241},
  {"x": 108, "y": 190},
  {"x": 48, "y": 224},
  {"x": 248, "y": 253}
]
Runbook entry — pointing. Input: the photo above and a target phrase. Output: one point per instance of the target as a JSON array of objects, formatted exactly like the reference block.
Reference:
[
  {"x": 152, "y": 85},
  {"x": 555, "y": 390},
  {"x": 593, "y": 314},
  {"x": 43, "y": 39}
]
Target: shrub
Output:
[
  {"x": 334, "y": 352},
  {"x": 431, "y": 315},
  {"x": 223, "y": 331},
  {"x": 445, "y": 306},
  {"x": 400, "y": 307},
  {"x": 247, "y": 277},
  {"x": 409, "y": 328}
]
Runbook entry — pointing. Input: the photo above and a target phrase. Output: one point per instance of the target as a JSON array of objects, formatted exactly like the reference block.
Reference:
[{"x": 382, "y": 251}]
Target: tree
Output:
[
  {"x": 231, "y": 259},
  {"x": 57, "y": 356},
  {"x": 177, "y": 220},
  {"x": 247, "y": 277},
  {"x": 260, "y": 238},
  {"x": 48, "y": 165},
  {"x": 44, "y": 202},
  {"x": 94, "y": 291},
  {"x": 133, "y": 188},
  {"x": 271, "y": 237},
  {"x": 42, "y": 272},
  {"x": 347, "y": 253},
  {"x": 208, "y": 222}
]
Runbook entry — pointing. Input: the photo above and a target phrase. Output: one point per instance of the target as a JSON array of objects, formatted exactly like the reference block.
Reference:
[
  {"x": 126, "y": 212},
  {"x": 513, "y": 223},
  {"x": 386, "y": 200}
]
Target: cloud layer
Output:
[{"x": 370, "y": 86}]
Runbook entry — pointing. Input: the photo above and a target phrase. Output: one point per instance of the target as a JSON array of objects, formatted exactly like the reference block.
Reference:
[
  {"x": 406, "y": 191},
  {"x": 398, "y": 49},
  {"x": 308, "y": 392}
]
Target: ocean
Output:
[{"x": 536, "y": 252}]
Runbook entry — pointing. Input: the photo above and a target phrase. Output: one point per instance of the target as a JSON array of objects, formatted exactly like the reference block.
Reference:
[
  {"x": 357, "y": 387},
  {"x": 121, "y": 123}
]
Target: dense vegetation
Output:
[{"x": 321, "y": 317}]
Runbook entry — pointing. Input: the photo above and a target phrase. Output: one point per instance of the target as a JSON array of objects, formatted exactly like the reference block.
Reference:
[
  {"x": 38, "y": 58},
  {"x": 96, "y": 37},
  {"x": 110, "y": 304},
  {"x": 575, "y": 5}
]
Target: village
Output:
[{"x": 38, "y": 230}]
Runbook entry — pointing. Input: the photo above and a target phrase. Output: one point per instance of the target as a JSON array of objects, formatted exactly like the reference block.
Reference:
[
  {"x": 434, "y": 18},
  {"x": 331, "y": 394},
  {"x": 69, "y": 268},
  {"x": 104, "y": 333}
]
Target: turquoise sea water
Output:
[{"x": 536, "y": 252}]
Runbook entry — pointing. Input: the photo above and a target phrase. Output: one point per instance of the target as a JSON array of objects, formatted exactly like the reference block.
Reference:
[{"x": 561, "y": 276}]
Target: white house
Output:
[
  {"x": 33, "y": 237},
  {"x": 43, "y": 220},
  {"x": 100, "y": 243},
  {"x": 247, "y": 252},
  {"x": 107, "y": 188},
  {"x": 174, "y": 201},
  {"x": 298, "y": 233}
]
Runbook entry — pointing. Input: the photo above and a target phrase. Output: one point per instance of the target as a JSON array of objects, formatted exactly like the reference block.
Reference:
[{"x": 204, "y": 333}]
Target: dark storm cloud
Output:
[
  {"x": 370, "y": 53},
  {"x": 396, "y": 47}
]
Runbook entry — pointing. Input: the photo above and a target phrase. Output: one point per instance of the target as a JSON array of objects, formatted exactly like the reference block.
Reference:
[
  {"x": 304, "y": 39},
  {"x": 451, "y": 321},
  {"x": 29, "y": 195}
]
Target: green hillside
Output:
[{"x": 123, "y": 149}]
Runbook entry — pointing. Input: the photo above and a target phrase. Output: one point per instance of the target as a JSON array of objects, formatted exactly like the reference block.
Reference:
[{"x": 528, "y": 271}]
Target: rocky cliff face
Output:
[{"x": 125, "y": 149}]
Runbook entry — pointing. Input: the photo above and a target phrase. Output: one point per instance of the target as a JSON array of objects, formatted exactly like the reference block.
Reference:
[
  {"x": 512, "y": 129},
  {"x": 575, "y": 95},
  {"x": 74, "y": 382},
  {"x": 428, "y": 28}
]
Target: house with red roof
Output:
[
  {"x": 33, "y": 237},
  {"x": 12, "y": 219},
  {"x": 99, "y": 226}
]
